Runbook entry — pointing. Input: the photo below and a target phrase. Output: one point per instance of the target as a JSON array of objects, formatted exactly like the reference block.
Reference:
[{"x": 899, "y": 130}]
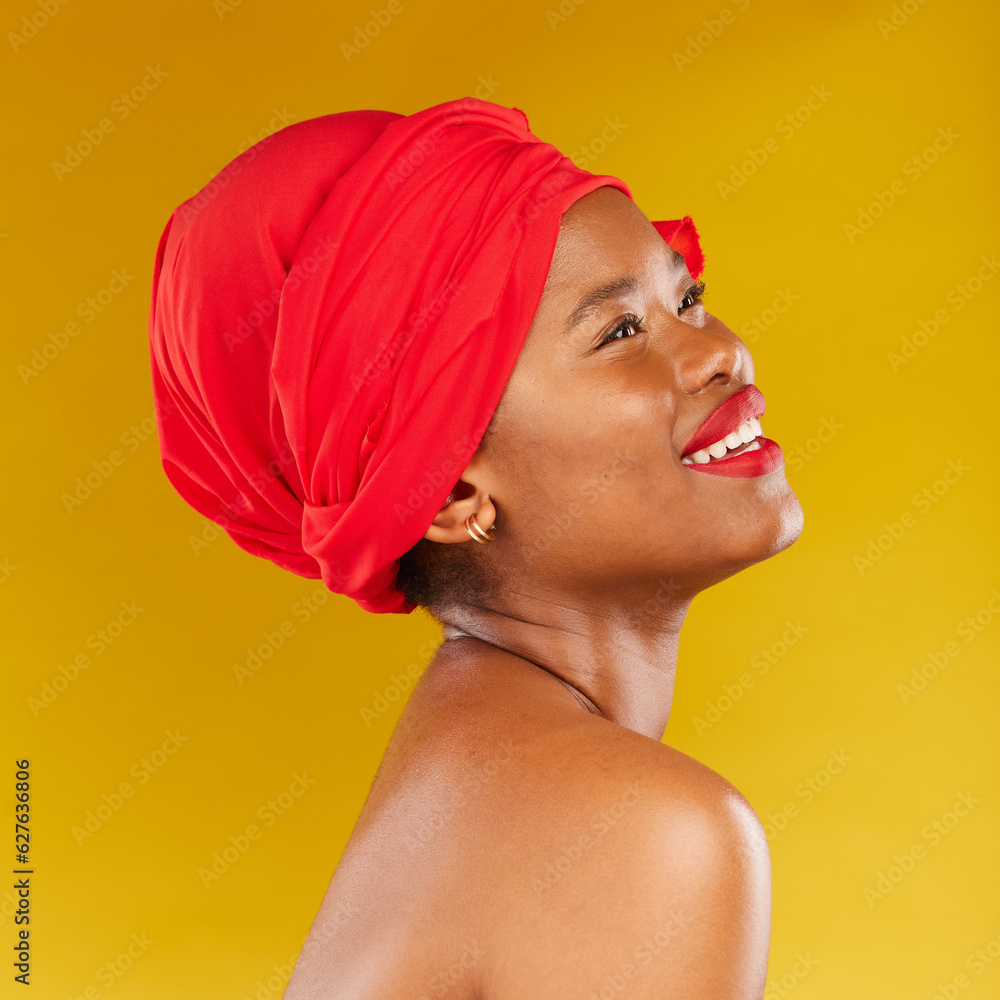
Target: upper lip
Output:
[{"x": 726, "y": 417}]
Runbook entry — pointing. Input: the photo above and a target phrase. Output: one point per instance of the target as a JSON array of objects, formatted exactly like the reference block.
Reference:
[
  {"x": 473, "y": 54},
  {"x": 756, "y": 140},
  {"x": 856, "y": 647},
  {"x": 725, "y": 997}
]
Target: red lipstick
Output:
[{"x": 744, "y": 458}]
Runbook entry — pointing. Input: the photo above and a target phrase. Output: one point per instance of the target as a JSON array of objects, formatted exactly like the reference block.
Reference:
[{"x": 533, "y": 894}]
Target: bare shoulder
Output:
[
  {"x": 595, "y": 764},
  {"x": 577, "y": 856},
  {"x": 657, "y": 863}
]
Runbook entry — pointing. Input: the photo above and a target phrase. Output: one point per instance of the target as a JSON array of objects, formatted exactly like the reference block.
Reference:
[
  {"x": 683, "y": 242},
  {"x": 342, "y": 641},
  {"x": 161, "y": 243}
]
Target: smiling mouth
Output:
[{"x": 747, "y": 436}]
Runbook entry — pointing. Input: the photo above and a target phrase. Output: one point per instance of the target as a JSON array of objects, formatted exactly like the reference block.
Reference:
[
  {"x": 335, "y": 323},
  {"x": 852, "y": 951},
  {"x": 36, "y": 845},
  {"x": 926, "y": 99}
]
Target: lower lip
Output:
[{"x": 746, "y": 464}]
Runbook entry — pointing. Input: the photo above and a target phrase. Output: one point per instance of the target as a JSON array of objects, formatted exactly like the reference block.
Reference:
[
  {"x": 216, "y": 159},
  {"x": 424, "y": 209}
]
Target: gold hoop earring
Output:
[{"x": 473, "y": 527}]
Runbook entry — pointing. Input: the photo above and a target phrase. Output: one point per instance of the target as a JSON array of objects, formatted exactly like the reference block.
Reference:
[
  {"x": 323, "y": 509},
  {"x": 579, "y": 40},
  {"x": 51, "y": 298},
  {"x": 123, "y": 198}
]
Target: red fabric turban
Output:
[{"x": 335, "y": 317}]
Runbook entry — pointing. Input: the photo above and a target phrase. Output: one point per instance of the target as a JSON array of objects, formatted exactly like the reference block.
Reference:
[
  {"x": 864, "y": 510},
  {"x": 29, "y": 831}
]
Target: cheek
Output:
[{"x": 590, "y": 444}]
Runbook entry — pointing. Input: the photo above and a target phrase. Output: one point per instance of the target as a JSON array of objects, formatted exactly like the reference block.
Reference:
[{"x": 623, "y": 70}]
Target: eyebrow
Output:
[{"x": 596, "y": 297}]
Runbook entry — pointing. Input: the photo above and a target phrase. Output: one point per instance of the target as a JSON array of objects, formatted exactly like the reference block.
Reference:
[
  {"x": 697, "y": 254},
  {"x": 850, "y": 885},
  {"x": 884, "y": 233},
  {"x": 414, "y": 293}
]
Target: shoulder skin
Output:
[{"x": 619, "y": 862}]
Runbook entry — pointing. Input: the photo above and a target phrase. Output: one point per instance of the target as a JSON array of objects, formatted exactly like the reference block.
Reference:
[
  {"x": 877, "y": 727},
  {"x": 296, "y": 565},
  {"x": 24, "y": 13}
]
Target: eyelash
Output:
[{"x": 695, "y": 292}]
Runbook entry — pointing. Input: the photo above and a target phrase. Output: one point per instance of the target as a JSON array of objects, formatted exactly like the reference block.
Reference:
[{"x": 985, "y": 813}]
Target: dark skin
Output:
[
  {"x": 577, "y": 608},
  {"x": 544, "y": 708}
]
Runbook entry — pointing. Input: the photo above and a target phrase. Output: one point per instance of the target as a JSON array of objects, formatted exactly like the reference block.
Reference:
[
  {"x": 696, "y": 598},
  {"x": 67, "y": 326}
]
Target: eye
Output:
[
  {"x": 618, "y": 331},
  {"x": 694, "y": 294}
]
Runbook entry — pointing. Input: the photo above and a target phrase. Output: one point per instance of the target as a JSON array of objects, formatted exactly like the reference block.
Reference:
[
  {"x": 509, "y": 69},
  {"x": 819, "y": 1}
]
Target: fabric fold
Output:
[{"x": 334, "y": 319}]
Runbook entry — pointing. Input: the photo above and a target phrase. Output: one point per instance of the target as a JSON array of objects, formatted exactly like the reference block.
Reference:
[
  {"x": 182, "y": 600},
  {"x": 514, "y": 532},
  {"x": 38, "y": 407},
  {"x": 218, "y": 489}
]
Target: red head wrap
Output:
[{"x": 335, "y": 317}]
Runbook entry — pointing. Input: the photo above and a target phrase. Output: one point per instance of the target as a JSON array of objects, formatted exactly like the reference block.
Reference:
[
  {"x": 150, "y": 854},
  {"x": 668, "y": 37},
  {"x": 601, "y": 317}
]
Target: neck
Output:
[{"x": 619, "y": 658}]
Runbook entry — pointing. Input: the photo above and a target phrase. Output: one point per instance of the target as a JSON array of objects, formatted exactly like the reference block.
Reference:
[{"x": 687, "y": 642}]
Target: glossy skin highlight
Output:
[{"x": 527, "y": 827}]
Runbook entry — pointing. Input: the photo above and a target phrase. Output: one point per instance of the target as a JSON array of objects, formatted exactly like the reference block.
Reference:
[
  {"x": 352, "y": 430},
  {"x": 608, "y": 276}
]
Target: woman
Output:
[{"x": 528, "y": 833}]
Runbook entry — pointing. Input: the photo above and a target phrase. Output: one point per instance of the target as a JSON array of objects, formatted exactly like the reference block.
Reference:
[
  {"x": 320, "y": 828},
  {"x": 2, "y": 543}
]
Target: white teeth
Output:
[{"x": 743, "y": 435}]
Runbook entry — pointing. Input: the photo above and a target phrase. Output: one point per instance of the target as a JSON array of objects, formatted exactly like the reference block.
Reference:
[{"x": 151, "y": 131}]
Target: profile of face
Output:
[{"x": 583, "y": 469}]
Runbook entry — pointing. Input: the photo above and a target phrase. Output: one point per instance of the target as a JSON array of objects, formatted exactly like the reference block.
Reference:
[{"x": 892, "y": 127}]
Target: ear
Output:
[{"x": 468, "y": 497}]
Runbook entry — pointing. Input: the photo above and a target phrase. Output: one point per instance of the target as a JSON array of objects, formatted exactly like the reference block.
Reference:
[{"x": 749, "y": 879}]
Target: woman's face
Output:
[{"x": 584, "y": 459}]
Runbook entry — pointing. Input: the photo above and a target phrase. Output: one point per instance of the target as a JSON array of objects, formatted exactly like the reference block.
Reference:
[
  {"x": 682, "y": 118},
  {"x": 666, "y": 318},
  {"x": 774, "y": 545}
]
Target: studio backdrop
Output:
[{"x": 196, "y": 729}]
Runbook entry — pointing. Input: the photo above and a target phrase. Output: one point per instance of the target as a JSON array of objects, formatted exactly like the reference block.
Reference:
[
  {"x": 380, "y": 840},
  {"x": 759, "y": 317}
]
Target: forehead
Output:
[{"x": 603, "y": 236}]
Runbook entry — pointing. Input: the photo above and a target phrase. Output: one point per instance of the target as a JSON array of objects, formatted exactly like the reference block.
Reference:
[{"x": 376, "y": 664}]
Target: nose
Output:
[{"x": 708, "y": 355}]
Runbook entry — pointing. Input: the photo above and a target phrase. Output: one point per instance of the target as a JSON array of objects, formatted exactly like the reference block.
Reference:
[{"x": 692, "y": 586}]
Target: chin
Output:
[
  {"x": 790, "y": 523},
  {"x": 775, "y": 530},
  {"x": 782, "y": 525}
]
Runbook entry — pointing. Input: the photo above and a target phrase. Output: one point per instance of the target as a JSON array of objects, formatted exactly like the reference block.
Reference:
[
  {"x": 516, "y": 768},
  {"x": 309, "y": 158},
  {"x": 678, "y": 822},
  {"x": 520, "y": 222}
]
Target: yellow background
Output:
[{"x": 229, "y": 70}]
